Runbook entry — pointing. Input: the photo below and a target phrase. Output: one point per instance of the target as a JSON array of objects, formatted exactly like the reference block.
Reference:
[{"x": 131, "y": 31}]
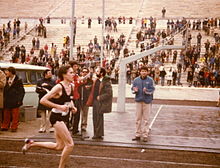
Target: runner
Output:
[
  {"x": 60, "y": 100},
  {"x": 218, "y": 102}
]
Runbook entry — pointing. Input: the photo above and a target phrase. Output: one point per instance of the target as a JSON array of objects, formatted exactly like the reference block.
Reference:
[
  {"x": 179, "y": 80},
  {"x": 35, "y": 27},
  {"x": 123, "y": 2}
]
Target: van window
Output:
[
  {"x": 39, "y": 75},
  {"x": 33, "y": 77},
  {"x": 22, "y": 75}
]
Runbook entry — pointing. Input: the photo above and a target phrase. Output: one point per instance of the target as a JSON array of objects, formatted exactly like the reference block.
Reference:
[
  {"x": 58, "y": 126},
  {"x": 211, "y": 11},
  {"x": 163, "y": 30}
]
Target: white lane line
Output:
[
  {"x": 117, "y": 159},
  {"x": 188, "y": 137},
  {"x": 196, "y": 107},
  {"x": 12, "y": 167},
  {"x": 152, "y": 122}
]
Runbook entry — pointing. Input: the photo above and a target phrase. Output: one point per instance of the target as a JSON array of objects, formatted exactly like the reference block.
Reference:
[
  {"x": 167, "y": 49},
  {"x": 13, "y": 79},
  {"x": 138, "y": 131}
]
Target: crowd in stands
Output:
[
  {"x": 7, "y": 32},
  {"x": 202, "y": 68}
]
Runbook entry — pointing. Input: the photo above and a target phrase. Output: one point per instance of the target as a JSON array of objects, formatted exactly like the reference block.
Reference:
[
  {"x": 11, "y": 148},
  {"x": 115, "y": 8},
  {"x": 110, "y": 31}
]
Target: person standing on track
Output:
[
  {"x": 75, "y": 119},
  {"x": 84, "y": 90},
  {"x": 13, "y": 98},
  {"x": 44, "y": 85},
  {"x": 101, "y": 100},
  {"x": 60, "y": 99},
  {"x": 143, "y": 88}
]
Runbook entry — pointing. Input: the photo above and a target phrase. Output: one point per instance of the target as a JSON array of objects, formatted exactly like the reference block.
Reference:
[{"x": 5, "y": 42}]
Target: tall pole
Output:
[
  {"x": 72, "y": 30},
  {"x": 103, "y": 29},
  {"x": 121, "y": 87}
]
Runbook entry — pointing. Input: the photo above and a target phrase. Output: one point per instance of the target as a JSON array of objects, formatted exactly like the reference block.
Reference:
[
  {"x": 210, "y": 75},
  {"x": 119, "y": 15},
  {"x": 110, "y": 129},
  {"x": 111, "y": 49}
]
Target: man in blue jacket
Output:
[{"x": 143, "y": 88}]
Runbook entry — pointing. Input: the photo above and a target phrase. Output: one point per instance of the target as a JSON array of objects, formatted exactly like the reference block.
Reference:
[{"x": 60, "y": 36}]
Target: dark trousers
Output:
[
  {"x": 76, "y": 118},
  {"x": 1, "y": 116},
  {"x": 98, "y": 119}
]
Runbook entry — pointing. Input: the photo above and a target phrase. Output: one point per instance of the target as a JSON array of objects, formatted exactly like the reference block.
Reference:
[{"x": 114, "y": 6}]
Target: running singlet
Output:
[
  {"x": 63, "y": 99},
  {"x": 57, "y": 115}
]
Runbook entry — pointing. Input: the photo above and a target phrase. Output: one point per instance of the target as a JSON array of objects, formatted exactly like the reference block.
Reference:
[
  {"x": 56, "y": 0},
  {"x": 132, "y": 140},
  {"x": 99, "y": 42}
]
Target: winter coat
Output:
[
  {"x": 14, "y": 94},
  {"x": 2, "y": 85},
  {"x": 105, "y": 95}
]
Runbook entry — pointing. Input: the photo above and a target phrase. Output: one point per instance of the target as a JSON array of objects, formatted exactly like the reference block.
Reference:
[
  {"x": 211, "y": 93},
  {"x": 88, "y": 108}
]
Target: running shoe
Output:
[{"x": 27, "y": 145}]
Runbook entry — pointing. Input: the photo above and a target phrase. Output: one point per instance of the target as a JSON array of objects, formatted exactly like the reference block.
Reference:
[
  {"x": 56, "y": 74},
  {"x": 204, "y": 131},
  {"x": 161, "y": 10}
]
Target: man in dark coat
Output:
[
  {"x": 44, "y": 85},
  {"x": 101, "y": 100},
  {"x": 13, "y": 99}
]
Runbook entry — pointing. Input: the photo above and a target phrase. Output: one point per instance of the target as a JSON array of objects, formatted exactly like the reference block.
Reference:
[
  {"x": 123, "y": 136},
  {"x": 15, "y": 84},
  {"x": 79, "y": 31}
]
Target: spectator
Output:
[
  {"x": 174, "y": 76},
  {"x": 123, "y": 19},
  {"x": 143, "y": 88},
  {"x": 99, "y": 20},
  {"x": 48, "y": 20},
  {"x": 174, "y": 56},
  {"x": 126, "y": 52},
  {"x": 89, "y": 22},
  {"x": 156, "y": 75},
  {"x": 115, "y": 26},
  {"x": 163, "y": 12},
  {"x": 25, "y": 27},
  {"x": 23, "y": 54},
  {"x": 190, "y": 75},
  {"x": 162, "y": 76},
  {"x": 128, "y": 75},
  {"x": 130, "y": 20},
  {"x": 207, "y": 46},
  {"x": 46, "y": 48},
  {"x": 41, "y": 20},
  {"x": 134, "y": 73},
  {"x": 2, "y": 85},
  {"x": 101, "y": 100},
  {"x": 169, "y": 77},
  {"x": 76, "y": 97},
  {"x": 196, "y": 77},
  {"x": 83, "y": 20},
  {"x": 33, "y": 43},
  {"x": 44, "y": 85},
  {"x": 44, "y": 31},
  {"x": 14, "y": 86},
  {"x": 37, "y": 44},
  {"x": 179, "y": 71},
  {"x": 14, "y": 32},
  {"x": 84, "y": 91},
  {"x": 199, "y": 38}
]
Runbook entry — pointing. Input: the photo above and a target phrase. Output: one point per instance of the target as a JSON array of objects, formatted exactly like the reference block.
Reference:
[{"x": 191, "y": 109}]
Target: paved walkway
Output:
[{"x": 193, "y": 128}]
